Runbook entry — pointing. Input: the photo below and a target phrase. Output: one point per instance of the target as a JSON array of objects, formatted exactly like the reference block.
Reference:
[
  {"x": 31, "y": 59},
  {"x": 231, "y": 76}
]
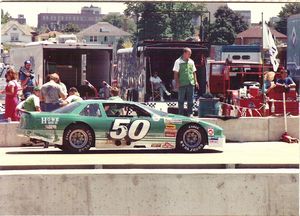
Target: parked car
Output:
[{"x": 119, "y": 125}]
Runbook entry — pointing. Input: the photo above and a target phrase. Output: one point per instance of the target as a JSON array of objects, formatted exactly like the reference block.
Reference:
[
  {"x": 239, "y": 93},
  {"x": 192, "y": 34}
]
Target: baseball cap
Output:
[
  {"x": 27, "y": 62},
  {"x": 36, "y": 88}
]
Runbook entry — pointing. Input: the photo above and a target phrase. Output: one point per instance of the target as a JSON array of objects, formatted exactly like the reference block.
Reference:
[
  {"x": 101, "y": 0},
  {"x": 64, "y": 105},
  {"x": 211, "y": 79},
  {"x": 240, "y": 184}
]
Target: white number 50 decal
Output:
[{"x": 136, "y": 131}]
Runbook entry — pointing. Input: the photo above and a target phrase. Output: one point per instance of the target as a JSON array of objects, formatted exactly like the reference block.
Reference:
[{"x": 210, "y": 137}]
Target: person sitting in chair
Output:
[{"x": 157, "y": 84}]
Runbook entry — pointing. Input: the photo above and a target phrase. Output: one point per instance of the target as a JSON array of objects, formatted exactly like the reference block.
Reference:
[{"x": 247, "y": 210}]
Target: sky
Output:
[{"x": 31, "y": 10}]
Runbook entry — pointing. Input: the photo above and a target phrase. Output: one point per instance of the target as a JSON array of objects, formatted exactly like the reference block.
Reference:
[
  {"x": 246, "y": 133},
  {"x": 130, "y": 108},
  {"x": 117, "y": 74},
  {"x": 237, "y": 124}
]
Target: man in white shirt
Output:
[
  {"x": 157, "y": 84},
  {"x": 74, "y": 96},
  {"x": 186, "y": 79}
]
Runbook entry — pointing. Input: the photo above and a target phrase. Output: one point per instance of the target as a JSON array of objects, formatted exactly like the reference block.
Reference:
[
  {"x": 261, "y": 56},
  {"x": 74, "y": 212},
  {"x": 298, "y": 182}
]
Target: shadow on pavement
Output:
[{"x": 96, "y": 151}]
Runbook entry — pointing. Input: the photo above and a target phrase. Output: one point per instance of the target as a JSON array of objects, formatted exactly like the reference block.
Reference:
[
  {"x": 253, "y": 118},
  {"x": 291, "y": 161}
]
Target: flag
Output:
[{"x": 269, "y": 44}]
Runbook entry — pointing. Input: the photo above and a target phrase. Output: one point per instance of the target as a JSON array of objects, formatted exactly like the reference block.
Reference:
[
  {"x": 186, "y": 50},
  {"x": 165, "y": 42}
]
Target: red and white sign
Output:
[{"x": 210, "y": 131}]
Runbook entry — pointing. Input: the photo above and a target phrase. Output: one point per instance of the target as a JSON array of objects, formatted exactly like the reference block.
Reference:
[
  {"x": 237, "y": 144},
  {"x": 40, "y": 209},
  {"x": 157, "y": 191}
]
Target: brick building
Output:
[
  {"x": 253, "y": 36},
  {"x": 58, "y": 21}
]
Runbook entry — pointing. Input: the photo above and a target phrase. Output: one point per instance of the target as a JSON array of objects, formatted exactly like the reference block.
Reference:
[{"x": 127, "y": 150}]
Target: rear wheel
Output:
[
  {"x": 191, "y": 138},
  {"x": 77, "y": 138}
]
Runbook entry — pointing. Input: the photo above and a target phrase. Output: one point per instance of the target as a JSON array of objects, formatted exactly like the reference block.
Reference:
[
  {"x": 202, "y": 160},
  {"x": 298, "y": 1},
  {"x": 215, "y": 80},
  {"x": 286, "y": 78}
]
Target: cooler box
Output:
[
  {"x": 208, "y": 106},
  {"x": 254, "y": 91}
]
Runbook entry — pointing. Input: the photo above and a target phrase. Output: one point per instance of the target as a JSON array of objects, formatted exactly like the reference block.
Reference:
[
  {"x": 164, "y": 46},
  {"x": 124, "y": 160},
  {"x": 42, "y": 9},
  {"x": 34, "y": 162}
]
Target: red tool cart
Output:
[{"x": 275, "y": 100}]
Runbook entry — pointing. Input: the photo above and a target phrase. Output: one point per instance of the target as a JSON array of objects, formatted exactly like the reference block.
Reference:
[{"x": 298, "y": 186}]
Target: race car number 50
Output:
[{"x": 137, "y": 130}]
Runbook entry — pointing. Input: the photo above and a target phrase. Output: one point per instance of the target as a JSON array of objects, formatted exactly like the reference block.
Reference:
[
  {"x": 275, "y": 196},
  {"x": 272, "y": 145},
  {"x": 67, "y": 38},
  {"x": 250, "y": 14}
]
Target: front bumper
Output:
[{"x": 216, "y": 141}]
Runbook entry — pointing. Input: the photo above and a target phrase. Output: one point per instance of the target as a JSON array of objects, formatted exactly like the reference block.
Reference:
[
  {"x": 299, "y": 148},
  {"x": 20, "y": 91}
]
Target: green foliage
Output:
[
  {"x": 5, "y": 17},
  {"x": 121, "y": 21},
  {"x": 164, "y": 20},
  {"x": 286, "y": 11},
  {"x": 227, "y": 24},
  {"x": 181, "y": 22},
  {"x": 222, "y": 33},
  {"x": 71, "y": 28}
]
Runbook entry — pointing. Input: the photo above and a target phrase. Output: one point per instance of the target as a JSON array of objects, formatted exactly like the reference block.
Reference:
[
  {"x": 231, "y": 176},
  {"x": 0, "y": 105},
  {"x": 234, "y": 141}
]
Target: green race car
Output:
[{"x": 119, "y": 125}]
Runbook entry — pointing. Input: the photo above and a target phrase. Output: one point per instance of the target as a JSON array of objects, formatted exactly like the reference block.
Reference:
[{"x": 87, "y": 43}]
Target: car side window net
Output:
[
  {"x": 91, "y": 110},
  {"x": 124, "y": 110}
]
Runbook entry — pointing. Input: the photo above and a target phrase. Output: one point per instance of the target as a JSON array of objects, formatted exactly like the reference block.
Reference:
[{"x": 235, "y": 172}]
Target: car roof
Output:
[{"x": 107, "y": 101}]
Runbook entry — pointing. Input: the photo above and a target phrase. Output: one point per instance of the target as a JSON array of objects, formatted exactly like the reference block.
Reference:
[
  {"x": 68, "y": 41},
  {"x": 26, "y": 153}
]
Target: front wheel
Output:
[
  {"x": 77, "y": 139},
  {"x": 191, "y": 138}
]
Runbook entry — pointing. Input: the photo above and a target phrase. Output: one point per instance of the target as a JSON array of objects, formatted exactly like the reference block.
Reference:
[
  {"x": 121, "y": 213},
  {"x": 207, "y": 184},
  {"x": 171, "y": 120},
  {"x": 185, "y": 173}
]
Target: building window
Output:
[
  {"x": 245, "y": 57},
  {"x": 236, "y": 57},
  {"x": 14, "y": 28},
  {"x": 93, "y": 38},
  {"x": 105, "y": 39},
  {"x": 14, "y": 37}
]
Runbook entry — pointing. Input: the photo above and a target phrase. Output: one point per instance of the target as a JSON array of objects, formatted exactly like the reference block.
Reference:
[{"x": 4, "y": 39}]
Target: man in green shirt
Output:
[
  {"x": 186, "y": 79},
  {"x": 32, "y": 103}
]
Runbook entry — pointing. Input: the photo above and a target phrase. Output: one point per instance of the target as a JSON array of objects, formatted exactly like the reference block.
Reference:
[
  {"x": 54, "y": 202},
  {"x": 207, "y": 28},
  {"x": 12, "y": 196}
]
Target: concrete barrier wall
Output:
[
  {"x": 9, "y": 136},
  {"x": 253, "y": 129},
  {"x": 257, "y": 129},
  {"x": 132, "y": 192}
]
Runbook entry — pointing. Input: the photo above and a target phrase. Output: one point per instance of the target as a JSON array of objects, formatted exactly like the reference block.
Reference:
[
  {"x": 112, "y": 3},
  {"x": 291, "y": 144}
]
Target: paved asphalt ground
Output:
[{"x": 232, "y": 155}]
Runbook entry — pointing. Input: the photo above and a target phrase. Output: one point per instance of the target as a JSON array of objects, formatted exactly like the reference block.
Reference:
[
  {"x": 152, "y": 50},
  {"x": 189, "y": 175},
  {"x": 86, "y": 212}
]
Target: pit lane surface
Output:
[{"x": 232, "y": 155}]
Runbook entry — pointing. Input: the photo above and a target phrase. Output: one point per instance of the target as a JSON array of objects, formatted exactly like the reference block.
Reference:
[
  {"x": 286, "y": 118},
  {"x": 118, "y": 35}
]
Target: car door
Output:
[{"x": 131, "y": 124}]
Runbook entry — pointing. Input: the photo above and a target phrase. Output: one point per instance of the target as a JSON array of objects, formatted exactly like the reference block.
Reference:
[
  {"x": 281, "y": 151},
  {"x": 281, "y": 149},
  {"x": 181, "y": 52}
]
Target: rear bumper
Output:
[
  {"x": 216, "y": 141},
  {"x": 50, "y": 136}
]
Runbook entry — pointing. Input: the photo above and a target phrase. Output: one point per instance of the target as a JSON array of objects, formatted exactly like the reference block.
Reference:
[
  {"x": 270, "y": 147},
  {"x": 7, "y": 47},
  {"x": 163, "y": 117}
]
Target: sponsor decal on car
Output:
[
  {"x": 167, "y": 145},
  {"x": 170, "y": 130},
  {"x": 210, "y": 132},
  {"x": 156, "y": 145},
  {"x": 50, "y": 127},
  {"x": 172, "y": 121},
  {"x": 49, "y": 120}
]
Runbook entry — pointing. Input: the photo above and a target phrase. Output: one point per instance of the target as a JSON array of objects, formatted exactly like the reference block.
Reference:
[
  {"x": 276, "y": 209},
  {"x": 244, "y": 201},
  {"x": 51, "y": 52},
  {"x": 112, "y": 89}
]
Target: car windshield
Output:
[
  {"x": 67, "y": 109},
  {"x": 154, "y": 111}
]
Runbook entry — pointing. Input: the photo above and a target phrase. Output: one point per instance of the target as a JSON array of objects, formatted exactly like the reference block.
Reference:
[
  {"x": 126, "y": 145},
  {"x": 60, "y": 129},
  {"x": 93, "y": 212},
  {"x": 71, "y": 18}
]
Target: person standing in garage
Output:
[{"x": 186, "y": 79}]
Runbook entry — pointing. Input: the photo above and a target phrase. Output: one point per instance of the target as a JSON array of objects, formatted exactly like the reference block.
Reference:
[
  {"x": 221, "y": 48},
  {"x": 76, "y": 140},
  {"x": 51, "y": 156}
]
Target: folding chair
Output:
[{"x": 155, "y": 94}]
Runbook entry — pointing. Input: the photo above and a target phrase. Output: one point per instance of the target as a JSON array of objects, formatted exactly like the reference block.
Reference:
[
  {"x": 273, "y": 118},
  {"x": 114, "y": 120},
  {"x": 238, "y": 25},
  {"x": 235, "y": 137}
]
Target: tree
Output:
[
  {"x": 121, "y": 21},
  {"x": 164, "y": 20},
  {"x": 5, "y": 17},
  {"x": 234, "y": 19},
  {"x": 286, "y": 11},
  {"x": 227, "y": 24},
  {"x": 180, "y": 18},
  {"x": 71, "y": 28},
  {"x": 222, "y": 33},
  {"x": 151, "y": 24}
]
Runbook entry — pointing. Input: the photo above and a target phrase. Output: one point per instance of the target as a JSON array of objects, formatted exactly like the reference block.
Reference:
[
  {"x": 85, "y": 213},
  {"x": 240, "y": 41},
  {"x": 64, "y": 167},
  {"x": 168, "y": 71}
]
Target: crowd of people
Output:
[
  {"x": 23, "y": 92},
  {"x": 53, "y": 94},
  {"x": 30, "y": 96}
]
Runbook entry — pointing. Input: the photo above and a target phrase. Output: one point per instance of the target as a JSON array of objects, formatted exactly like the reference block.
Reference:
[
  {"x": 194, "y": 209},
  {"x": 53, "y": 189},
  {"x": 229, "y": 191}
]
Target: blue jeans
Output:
[{"x": 188, "y": 93}]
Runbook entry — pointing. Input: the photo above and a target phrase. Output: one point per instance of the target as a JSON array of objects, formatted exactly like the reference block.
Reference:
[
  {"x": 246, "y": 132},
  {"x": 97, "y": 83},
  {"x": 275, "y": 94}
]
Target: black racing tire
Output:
[
  {"x": 77, "y": 138},
  {"x": 191, "y": 138}
]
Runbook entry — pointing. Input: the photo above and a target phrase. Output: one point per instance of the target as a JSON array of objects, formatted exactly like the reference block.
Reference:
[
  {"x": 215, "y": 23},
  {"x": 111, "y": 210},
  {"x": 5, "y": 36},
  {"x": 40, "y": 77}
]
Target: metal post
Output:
[{"x": 263, "y": 64}]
